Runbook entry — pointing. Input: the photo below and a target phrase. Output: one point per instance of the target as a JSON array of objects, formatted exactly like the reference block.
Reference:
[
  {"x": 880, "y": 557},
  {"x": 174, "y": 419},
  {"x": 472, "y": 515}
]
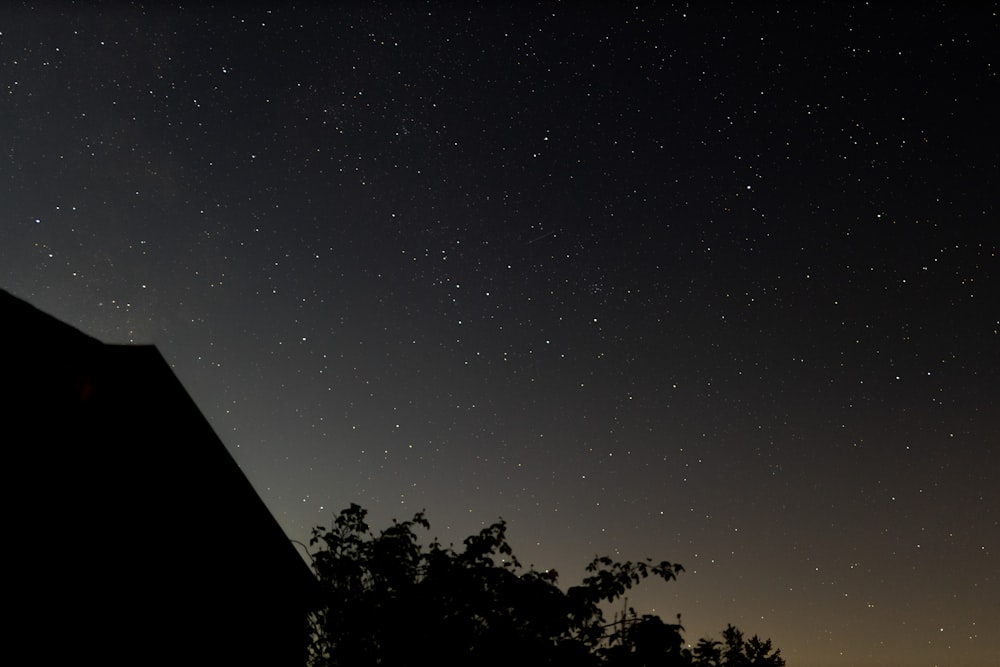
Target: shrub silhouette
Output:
[{"x": 389, "y": 601}]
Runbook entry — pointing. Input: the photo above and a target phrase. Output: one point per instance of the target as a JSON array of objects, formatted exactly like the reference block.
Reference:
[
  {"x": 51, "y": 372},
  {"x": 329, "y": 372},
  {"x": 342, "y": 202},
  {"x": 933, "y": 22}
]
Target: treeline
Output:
[{"x": 387, "y": 600}]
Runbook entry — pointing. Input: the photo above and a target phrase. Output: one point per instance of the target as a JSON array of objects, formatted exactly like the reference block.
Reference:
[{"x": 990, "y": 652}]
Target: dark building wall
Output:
[{"x": 137, "y": 538}]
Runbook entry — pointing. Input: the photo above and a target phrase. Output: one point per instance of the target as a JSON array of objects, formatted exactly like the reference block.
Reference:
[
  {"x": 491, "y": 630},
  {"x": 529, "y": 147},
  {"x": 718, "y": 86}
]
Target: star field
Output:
[{"x": 717, "y": 284}]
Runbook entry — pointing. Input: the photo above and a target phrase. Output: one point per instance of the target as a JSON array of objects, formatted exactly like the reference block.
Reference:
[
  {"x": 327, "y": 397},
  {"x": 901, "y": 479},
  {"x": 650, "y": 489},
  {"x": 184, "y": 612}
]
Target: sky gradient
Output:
[{"x": 715, "y": 284}]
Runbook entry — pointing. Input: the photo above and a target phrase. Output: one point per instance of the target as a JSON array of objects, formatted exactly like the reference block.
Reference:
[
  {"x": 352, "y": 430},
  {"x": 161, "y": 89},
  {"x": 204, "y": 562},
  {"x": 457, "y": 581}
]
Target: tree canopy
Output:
[{"x": 388, "y": 600}]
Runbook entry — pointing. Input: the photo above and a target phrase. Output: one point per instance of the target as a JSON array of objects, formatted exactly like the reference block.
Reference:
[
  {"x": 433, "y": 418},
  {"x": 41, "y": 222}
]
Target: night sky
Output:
[{"x": 712, "y": 284}]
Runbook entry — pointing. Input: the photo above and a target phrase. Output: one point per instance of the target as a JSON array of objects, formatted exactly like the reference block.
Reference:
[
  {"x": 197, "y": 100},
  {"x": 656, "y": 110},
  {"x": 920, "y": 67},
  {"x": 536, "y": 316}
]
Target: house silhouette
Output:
[{"x": 133, "y": 536}]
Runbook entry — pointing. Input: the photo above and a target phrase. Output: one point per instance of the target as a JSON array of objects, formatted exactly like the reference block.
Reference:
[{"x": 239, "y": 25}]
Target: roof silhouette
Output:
[{"x": 136, "y": 537}]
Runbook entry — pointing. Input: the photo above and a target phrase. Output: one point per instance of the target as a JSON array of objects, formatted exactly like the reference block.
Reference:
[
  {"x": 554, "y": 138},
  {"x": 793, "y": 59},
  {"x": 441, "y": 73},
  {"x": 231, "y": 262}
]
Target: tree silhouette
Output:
[
  {"x": 389, "y": 601},
  {"x": 735, "y": 652}
]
